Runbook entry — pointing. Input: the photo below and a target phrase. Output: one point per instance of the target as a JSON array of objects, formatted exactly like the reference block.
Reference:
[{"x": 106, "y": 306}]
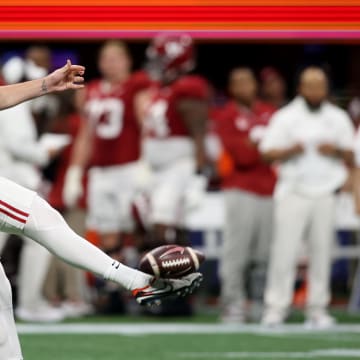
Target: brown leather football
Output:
[{"x": 171, "y": 261}]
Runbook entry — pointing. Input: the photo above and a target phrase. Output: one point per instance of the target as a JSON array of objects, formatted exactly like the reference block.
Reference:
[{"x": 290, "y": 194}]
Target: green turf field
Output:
[{"x": 203, "y": 338}]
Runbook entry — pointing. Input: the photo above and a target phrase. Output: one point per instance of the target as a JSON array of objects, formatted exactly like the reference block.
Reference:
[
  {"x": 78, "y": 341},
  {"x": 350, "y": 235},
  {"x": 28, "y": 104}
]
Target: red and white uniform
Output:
[
  {"x": 111, "y": 112},
  {"x": 168, "y": 147},
  {"x": 15, "y": 204},
  {"x": 116, "y": 151},
  {"x": 235, "y": 126},
  {"x": 166, "y": 137}
]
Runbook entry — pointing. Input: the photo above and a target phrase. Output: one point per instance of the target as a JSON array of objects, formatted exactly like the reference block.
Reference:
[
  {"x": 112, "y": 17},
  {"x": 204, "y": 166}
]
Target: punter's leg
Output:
[
  {"x": 46, "y": 226},
  {"x": 9, "y": 341},
  {"x": 23, "y": 212}
]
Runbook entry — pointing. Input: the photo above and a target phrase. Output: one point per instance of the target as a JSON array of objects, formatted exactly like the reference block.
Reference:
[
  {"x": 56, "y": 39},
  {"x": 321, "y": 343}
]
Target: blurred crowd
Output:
[{"x": 127, "y": 158}]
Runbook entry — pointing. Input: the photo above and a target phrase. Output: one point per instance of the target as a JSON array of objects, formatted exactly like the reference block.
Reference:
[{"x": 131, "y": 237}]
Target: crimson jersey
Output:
[
  {"x": 233, "y": 125},
  {"x": 111, "y": 113},
  {"x": 163, "y": 118}
]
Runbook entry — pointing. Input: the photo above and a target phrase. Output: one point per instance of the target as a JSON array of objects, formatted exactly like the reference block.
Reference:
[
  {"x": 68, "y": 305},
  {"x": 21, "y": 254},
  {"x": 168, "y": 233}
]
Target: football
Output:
[{"x": 171, "y": 261}]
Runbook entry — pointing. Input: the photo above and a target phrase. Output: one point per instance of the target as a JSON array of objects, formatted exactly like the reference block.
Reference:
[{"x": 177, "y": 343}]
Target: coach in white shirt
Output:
[{"x": 312, "y": 140}]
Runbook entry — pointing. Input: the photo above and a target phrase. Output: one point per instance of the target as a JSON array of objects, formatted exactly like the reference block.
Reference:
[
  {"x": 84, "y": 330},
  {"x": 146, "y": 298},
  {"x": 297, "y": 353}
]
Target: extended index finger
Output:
[
  {"x": 75, "y": 86},
  {"x": 77, "y": 68}
]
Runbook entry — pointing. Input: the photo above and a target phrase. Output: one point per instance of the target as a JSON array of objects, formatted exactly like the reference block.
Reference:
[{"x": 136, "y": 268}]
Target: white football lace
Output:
[{"x": 176, "y": 262}]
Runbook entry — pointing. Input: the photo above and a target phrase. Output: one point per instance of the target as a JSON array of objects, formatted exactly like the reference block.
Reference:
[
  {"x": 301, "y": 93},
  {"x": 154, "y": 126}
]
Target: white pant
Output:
[
  {"x": 167, "y": 192},
  {"x": 247, "y": 238},
  {"x": 31, "y": 278},
  {"x": 294, "y": 215},
  {"x": 111, "y": 192}
]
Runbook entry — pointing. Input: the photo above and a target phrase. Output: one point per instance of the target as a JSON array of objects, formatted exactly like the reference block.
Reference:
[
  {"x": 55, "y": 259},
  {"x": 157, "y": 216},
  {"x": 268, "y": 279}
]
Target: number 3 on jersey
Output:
[
  {"x": 156, "y": 122},
  {"x": 107, "y": 116}
]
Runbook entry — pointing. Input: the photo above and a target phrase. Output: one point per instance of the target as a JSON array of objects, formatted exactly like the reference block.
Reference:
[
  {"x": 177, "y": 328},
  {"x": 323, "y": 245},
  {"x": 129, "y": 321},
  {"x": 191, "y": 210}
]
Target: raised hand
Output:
[{"x": 68, "y": 77}]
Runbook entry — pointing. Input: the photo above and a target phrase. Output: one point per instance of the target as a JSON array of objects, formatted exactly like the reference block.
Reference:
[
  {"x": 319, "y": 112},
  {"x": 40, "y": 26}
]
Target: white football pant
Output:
[{"x": 298, "y": 217}]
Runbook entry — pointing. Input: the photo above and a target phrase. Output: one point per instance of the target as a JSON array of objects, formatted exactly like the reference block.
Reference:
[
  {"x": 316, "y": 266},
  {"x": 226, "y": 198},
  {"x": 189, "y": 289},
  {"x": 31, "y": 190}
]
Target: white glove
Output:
[
  {"x": 195, "y": 192},
  {"x": 73, "y": 188}
]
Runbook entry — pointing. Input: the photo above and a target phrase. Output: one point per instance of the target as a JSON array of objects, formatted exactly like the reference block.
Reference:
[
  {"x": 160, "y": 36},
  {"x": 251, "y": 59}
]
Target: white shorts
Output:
[
  {"x": 167, "y": 192},
  {"x": 15, "y": 203},
  {"x": 111, "y": 192}
]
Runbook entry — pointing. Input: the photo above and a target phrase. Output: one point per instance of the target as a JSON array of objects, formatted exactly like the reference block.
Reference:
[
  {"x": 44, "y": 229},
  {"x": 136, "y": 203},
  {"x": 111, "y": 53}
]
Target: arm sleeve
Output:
[
  {"x": 28, "y": 151},
  {"x": 16, "y": 138},
  {"x": 275, "y": 134},
  {"x": 345, "y": 139}
]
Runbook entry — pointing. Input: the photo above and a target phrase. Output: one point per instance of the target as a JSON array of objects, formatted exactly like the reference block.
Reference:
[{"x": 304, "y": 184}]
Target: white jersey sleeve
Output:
[
  {"x": 275, "y": 136},
  {"x": 345, "y": 133},
  {"x": 18, "y": 136}
]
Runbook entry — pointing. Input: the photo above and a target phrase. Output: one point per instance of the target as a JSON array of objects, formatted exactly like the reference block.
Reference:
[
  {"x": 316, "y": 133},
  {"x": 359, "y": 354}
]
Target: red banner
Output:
[{"x": 206, "y": 21}]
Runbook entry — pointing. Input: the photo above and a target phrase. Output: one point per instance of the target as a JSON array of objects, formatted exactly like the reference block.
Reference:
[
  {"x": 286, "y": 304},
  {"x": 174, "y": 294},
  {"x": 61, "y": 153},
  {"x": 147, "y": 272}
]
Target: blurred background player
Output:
[
  {"x": 273, "y": 87},
  {"x": 247, "y": 193},
  {"x": 65, "y": 286},
  {"x": 312, "y": 139},
  {"x": 109, "y": 142},
  {"x": 175, "y": 118},
  {"x": 22, "y": 158}
]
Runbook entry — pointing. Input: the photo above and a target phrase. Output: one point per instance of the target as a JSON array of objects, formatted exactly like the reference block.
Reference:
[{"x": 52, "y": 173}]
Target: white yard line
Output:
[
  {"x": 328, "y": 353},
  {"x": 175, "y": 328},
  {"x": 316, "y": 336}
]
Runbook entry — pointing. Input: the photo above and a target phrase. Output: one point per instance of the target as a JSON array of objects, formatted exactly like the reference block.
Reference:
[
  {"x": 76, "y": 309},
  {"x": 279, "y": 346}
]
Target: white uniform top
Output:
[
  {"x": 310, "y": 173},
  {"x": 20, "y": 153}
]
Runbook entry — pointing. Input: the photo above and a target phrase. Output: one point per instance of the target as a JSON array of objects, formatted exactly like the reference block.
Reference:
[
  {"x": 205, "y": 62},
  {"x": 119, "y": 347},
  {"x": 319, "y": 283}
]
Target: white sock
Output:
[
  {"x": 47, "y": 227},
  {"x": 130, "y": 278}
]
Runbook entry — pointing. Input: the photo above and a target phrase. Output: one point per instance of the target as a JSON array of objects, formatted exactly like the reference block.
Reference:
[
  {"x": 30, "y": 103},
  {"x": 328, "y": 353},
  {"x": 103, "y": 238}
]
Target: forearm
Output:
[
  {"x": 278, "y": 154},
  {"x": 68, "y": 77},
  {"x": 82, "y": 148},
  {"x": 200, "y": 155},
  {"x": 11, "y": 95},
  {"x": 29, "y": 152},
  {"x": 195, "y": 116},
  {"x": 356, "y": 188},
  {"x": 346, "y": 155}
]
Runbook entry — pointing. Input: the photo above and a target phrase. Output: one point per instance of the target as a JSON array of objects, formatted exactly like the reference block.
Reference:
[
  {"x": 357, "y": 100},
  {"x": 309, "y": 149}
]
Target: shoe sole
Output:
[{"x": 151, "y": 300}]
